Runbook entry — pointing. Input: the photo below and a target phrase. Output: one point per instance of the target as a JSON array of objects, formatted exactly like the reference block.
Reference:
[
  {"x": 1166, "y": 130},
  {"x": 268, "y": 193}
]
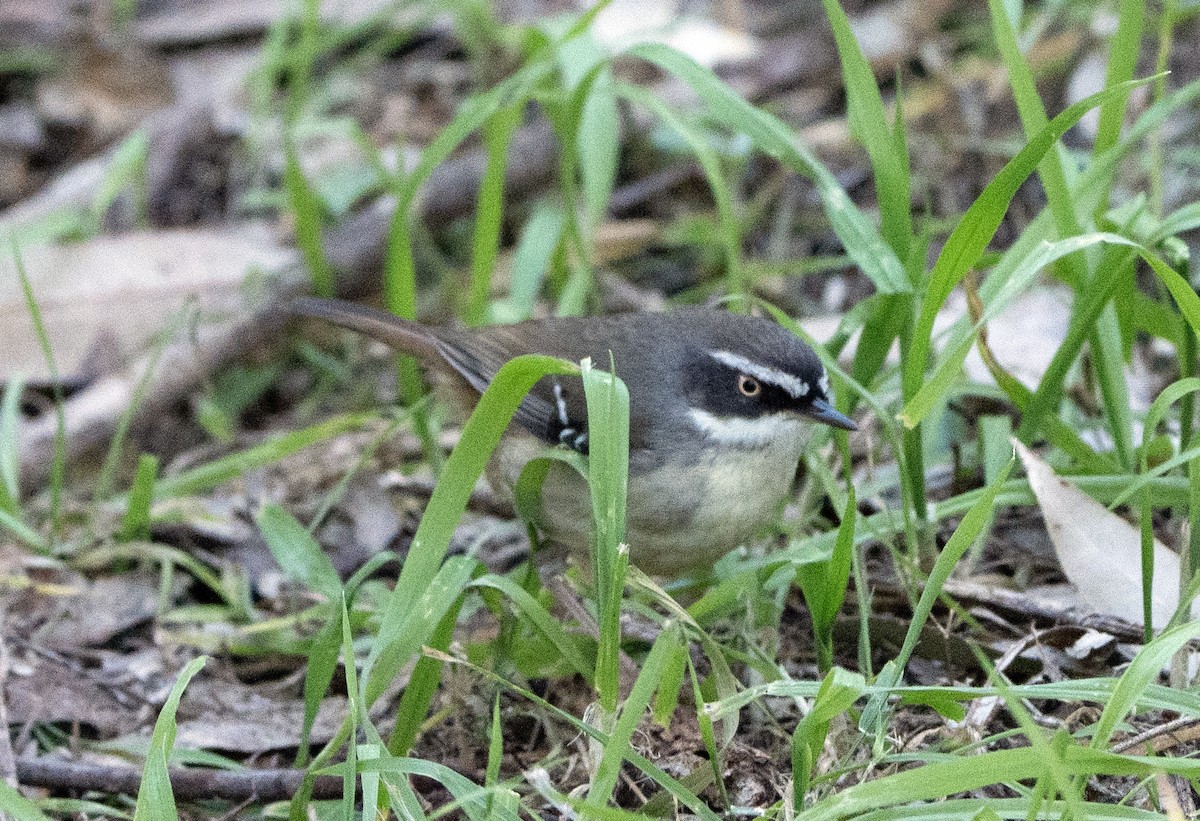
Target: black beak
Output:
[{"x": 822, "y": 411}]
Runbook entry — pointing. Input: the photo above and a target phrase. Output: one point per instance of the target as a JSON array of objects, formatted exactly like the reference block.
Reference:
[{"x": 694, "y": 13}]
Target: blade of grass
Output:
[
  {"x": 1092, "y": 690},
  {"x": 533, "y": 613},
  {"x": 1122, "y": 61},
  {"x": 155, "y": 799},
  {"x": 1083, "y": 319},
  {"x": 837, "y": 694},
  {"x": 18, "y": 807},
  {"x": 1141, "y": 673},
  {"x": 1022, "y": 276},
  {"x": 867, "y": 123},
  {"x": 58, "y": 464},
  {"x": 729, "y": 232},
  {"x": 617, "y": 747},
  {"x": 24, "y": 533},
  {"x": 859, "y": 237},
  {"x": 978, "y": 225},
  {"x": 308, "y": 215},
  {"x": 422, "y": 686},
  {"x": 108, "y": 470},
  {"x": 480, "y": 436},
  {"x": 964, "y": 536},
  {"x": 10, "y": 461},
  {"x": 200, "y": 479},
  {"x": 135, "y": 525},
  {"x": 540, "y": 239},
  {"x": 674, "y": 787},
  {"x": 824, "y": 585},
  {"x": 299, "y": 555},
  {"x": 489, "y": 210},
  {"x": 965, "y": 773},
  {"x": 608, "y": 479}
]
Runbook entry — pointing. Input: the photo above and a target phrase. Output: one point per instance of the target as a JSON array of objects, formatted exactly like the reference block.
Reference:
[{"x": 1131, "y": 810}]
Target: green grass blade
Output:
[
  {"x": 126, "y": 171},
  {"x": 23, "y": 532},
  {"x": 533, "y": 613},
  {"x": 299, "y": 555},
  {"x": 868, "y": 125},
  {"x": 965, "y": 534},
  {"x": 355, "y": 713},
  {"x": 322, "y": 664},
  {"x": 104, "y": 481},
  {"x": 1142, "y": 672},
  {"x": 58, "y": 463},
  {"x": 1122, "y": 62},
  {"x": 730, "y": 235},
  {"x": 155, "y": 799},
  {"x": 1020, "y": 278},
  {"x": 10, "y": 460},
  {"x": 204, "y": 477},
  {"x": 541, "y": 238},
  {"x": 308, "y": 215},
  {"x": 978, "y": 225},
  {"x": 824, "y": 584},
  {"x": 489, "y": 210},
  {"x": 598, "y": 145},
  {"x": 862, "y": 242},
  {"x": 135, "y": 525},
  {"x": 676, "y": 789},
  {"x": 1083, "y": 320},
  {"x": 1093, "y": 690},
  {"x": 471, "y": 798},
  {"x": 399, "y": 268},
  {"x": 1017, "y": 809},
  {"x": 1034, "y": 119},
  {"x": 608, "y": 480},
  {"x": 839, "y": 690},
  {"x": 422, "y": 686},
  {"x": 617, "y": 748},
  {"x": 966, "y": 773},
  {"x": 463, "y": 468},
  {"x": 18, "y": 807}
]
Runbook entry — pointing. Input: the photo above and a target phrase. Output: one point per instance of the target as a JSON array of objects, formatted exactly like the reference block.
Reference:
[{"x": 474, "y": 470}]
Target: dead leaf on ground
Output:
[
  {"x": 100, "y": 611},
  {"x": 1100, "y": 552},
  {"x": 124, "y": 290},
  {"x": 229, "y": 715}
]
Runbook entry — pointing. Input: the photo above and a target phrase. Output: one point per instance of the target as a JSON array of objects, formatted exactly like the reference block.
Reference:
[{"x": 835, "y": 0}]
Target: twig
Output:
[{"x": 188, "y": 784}]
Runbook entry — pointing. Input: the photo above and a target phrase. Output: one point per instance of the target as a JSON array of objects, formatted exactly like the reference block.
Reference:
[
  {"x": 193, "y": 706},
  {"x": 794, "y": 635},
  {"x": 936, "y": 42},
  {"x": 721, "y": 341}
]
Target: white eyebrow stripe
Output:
[{"x": 795, "y": 386}]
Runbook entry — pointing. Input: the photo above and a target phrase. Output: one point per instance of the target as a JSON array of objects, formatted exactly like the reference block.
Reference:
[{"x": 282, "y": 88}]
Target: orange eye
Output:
[{"x": 748, "y": 385}]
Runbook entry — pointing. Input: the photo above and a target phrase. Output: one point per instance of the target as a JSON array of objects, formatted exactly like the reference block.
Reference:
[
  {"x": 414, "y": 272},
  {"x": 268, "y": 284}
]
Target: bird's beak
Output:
[{"x": 822, "y": 411}]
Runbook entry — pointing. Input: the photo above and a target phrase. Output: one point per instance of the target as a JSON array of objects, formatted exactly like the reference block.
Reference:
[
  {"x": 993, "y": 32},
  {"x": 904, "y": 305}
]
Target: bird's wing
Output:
[{"x": 555, "y": 410}]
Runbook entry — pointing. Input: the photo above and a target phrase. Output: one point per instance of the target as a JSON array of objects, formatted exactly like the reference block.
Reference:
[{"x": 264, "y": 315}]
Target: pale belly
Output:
[{"x": 695, "y": 517}]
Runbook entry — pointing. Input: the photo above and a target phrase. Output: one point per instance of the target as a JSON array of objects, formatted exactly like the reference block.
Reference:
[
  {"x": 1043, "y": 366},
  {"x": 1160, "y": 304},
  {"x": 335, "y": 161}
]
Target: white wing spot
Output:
[{"x": 561, "y": 404}]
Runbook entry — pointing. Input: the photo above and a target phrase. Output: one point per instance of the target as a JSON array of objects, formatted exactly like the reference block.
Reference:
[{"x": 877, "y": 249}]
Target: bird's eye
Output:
[{"x": 748, "y": 385}]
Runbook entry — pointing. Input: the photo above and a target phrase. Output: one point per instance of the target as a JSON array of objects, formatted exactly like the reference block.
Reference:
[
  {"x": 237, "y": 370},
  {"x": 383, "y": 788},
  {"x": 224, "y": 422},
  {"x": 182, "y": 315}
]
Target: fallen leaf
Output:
[
  {"x": 124, "y": 290},
  {"x": 1100, "y": 552}
]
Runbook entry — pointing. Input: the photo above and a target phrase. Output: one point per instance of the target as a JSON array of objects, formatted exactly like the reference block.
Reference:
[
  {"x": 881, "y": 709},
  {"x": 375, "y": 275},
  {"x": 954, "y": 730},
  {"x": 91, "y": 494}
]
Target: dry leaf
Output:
[
  {"x": 1100, "y": 552},
  {"x": 125, "y": 289}
]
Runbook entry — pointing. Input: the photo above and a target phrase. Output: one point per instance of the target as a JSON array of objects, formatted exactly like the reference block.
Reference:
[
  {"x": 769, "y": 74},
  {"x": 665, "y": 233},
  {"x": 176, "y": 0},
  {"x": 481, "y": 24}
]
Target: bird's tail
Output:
[{"x": 402, "y": 334}]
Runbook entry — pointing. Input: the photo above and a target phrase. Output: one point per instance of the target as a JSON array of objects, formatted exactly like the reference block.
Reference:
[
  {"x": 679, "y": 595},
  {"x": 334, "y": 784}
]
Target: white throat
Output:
[{"x": 759, "y": 433}]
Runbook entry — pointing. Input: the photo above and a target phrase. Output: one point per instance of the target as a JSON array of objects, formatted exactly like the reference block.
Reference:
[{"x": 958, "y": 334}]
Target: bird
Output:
[{"x": 719, "y": 410}]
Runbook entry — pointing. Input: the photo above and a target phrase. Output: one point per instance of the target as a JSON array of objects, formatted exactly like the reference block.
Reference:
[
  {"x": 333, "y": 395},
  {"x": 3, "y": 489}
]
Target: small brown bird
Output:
[{"x": 718, "y": 405}]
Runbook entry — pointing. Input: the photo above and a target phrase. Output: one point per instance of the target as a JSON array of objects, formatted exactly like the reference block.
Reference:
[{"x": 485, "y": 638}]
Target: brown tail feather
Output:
[{"x": 402, "y": 334}]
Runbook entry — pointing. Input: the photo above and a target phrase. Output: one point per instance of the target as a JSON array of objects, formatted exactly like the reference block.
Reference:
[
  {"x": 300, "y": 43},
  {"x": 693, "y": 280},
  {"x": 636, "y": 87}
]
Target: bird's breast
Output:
[{"x": 682, "y": 515}]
